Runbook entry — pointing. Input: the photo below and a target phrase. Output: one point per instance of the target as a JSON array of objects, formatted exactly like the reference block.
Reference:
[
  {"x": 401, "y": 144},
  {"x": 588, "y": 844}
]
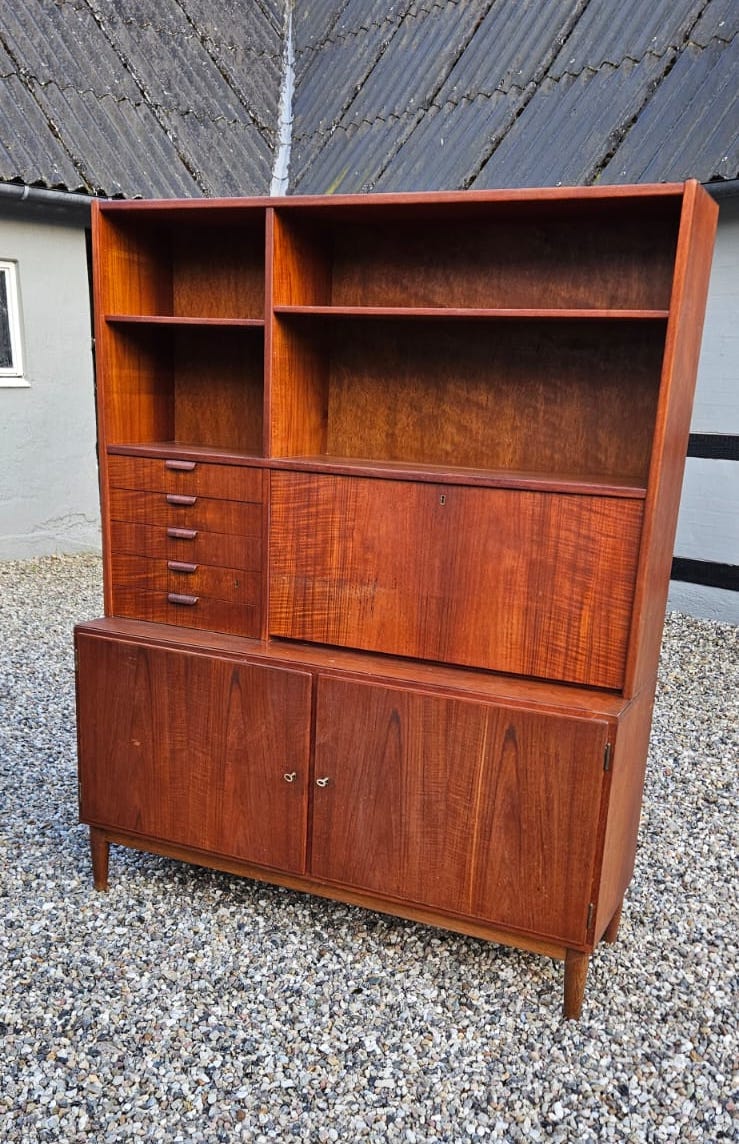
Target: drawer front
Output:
[
  {"x": 183, "y": 510},
  {"x": 531, "y": 583},
  {"x": 187, "y": 610},
  {"x": 191, "y": 545},
  {"x": 228, "y": 482},
  {"x": 182, "y": 577}
]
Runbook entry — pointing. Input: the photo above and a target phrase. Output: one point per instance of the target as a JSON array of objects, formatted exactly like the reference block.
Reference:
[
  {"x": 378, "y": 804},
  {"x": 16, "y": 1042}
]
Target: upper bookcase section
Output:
[{"x": 592, "y": 254}]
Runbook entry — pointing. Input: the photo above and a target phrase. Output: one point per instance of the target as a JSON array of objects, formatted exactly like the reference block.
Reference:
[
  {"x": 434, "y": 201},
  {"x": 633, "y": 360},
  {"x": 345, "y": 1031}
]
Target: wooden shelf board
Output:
[
  {"x": 586, "y": 484},
  {"x": 185, "y": 451},
  {"x": 453, "y": 312},
  {"x": 176, "y": 320}
]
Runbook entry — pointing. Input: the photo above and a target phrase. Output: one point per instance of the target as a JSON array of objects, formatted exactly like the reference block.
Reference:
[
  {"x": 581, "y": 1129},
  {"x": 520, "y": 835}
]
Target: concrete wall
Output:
[
  {"x": 48, "y": 466},
  {"x": 708, "y": 525}
]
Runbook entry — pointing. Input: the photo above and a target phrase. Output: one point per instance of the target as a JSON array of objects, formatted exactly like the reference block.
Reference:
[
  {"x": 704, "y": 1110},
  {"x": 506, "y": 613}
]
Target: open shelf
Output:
[
  {"x": 185, "y": 383},
  {"x": 159, "y": 264},
  {"x": 531, "y": 396},
  {"x": 598, "y": 254}
]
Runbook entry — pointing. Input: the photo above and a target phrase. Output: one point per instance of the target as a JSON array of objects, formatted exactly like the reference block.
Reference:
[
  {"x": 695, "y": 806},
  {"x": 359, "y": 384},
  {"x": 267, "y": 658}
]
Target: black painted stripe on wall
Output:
[
  {"x": 715, "y": 446},
  {"x": 706, "y": 572}
]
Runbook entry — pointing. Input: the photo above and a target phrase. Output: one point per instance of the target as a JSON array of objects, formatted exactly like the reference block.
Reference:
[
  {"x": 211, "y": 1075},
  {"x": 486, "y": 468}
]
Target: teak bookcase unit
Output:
[{"x": 389, "y": 491}]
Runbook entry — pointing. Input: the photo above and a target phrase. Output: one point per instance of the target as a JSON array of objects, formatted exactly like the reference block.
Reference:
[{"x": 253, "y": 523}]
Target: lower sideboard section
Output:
[{"x": 485, "y": 815}]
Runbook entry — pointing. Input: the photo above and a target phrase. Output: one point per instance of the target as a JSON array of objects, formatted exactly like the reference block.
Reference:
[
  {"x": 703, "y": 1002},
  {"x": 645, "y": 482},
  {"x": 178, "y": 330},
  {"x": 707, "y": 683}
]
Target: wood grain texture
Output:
[
  {"x": 230, "y": 482},
  {"x": 516, "y": 582},
  {"x": 181, "y": 576},
  {"x": 217, "y": 271},
  {"x": 469, "y": 808},
  {"x": 192, "y": 749},
  {"x": 577, "y": 398},
  {"x": 462, "y": 683},
  {"x": 378, "y": 904},
  {"x": 608, "y": 254},
  {"x": 186, "y": 610},
  {"x": 682, "y": 349},
  {"x": 206, "y": 513},
  {"x": 193, "y": 545},
  {"x": 628, "y": 767}
]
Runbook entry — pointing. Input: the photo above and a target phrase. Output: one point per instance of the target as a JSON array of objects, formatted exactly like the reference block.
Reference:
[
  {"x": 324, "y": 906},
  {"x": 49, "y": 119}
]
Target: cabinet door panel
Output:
[
  {"x": 531, "y": 583},
  {"x": 472, "y": 808},
  {"x": 193, "y": 749}
]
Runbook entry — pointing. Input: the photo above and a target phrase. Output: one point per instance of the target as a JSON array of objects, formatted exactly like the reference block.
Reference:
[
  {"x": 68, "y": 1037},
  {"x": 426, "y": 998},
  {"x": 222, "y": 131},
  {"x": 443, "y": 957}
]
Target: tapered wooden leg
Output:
[
  {"x": 576, "y": 973},
  {"x": 612, "y": 930},
  {"x": 100, "y": 851}
]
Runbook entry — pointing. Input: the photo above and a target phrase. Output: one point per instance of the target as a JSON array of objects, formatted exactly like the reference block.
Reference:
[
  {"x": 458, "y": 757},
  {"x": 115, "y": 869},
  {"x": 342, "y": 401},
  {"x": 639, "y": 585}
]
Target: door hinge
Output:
[
  {"x": 76, "y": 659},
  {"x": 589, "y": 922},
  {"x": 607, "y": 751}
]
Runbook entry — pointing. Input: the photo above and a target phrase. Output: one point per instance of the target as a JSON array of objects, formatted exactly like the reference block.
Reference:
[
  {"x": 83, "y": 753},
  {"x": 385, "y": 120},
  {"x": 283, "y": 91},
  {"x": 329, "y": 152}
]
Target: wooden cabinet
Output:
[
  {"x": 389, "y": 489},
  {"x": 465, "y": 807},
  {"x": 195, "y": 750}
]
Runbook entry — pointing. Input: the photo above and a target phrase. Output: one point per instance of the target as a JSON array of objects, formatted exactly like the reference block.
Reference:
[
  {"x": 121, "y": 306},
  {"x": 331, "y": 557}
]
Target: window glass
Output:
[
  {"x": 11, "y": 363},
  {"x": 6, "y": 350}
]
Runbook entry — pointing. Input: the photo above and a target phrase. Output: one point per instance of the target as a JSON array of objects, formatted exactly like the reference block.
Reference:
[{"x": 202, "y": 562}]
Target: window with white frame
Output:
[{"x": 11, "y": 358}]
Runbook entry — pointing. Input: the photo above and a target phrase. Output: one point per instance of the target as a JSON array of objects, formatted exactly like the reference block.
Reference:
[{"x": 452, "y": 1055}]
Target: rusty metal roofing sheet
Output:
[{"x": 689, "y": 126}]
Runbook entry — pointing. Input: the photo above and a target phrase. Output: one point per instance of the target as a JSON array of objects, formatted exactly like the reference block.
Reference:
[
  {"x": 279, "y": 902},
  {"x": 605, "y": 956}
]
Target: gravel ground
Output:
[{"x": 187, "y": 1005}]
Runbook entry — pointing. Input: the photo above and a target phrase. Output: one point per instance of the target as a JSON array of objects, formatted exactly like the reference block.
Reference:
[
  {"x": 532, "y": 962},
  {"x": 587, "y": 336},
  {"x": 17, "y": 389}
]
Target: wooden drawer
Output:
[
  {"x": 195, "y": 546},
  {"x": 190, "y": 611},
  {"x": 229, "y": 482},
  {"x": 181, "y": 510},
  {"x": 233, "y": 585}
]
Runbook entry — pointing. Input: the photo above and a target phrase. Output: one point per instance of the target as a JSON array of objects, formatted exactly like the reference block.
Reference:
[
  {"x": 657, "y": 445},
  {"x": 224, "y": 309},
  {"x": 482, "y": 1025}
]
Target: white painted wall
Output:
[
  {"x": 48, "y": 467},
  {"x": 708, "y": 525}
]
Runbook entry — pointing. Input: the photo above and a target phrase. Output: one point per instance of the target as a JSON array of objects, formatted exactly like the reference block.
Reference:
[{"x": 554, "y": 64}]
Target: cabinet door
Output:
[
  {"x": 472, "y": 808},
  {"x": 535, "y": 583},
  {"x": 193, "y": 749}
]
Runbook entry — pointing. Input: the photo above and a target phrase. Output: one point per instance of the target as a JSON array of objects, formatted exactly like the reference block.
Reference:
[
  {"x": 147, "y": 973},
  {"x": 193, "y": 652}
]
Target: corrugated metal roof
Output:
[
  {"x": 539, "y": 94},
  {"x": 582, "y": 117},
  {"x": 512, "y": 45},
  {"x": 449, "y": 143},
  {"x": 29, "y": 150},
  {"x": 690, "y": 123},
  {"x": 148, "y": 97},
  {"x": 180, "y": 97},
  {"x": 609, "y": 33}
]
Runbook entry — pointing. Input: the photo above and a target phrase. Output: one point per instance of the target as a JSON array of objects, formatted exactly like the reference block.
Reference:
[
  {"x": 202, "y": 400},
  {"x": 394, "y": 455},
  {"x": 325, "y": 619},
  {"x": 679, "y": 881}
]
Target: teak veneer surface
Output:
[
  {"x": 517, "y": 582},
  {"x": 389, "y": 492}
]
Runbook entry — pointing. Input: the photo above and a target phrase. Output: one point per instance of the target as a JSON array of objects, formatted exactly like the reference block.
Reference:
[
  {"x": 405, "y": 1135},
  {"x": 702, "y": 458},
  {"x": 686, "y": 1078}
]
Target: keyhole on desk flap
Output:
[{"x": 442, "y": 498}]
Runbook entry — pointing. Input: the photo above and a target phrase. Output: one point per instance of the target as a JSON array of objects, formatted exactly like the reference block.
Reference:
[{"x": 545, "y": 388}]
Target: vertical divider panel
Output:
[{"x": 299, "y": 367}]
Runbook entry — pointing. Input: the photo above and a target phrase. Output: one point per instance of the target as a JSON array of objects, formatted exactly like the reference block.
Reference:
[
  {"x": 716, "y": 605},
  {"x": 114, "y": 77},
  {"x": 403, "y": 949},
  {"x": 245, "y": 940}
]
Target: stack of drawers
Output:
[{"x": 186, "y": 543}]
